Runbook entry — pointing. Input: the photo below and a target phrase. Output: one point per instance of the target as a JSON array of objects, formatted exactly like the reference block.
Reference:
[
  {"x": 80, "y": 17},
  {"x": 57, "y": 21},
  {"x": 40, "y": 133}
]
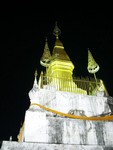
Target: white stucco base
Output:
[
  {"x": 44, "y": 127},
  {"x": 40, "y": 127},
  {"x": 67, "y": 101}
]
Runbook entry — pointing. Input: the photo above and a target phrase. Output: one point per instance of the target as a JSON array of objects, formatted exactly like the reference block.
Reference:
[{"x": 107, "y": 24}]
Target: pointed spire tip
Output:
[
  {"x": 35, "y": 74},
  {"x": 56, "y": 30},
  {"x": 46, "y": 38}
]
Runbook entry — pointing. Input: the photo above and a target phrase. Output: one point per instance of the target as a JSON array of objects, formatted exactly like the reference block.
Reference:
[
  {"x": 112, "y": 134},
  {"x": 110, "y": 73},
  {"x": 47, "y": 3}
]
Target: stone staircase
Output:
[{"x": 13, "y": 145}]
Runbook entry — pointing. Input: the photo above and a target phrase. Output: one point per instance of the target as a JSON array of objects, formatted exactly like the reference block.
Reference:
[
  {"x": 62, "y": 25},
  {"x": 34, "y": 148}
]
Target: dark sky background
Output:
[{"x": 22, "y": 38}]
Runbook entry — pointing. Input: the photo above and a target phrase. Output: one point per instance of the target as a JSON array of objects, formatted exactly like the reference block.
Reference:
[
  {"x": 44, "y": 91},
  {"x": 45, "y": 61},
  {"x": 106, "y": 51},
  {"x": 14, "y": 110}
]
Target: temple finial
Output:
[
  {"x": 46, "y": 39},
  {"x": 56, "y": 30},
  {"x": 35, "y": 85}
]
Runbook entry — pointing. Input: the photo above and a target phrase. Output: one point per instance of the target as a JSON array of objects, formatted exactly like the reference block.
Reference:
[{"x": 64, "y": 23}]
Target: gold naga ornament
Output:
[{"x": 93, "y": 67}]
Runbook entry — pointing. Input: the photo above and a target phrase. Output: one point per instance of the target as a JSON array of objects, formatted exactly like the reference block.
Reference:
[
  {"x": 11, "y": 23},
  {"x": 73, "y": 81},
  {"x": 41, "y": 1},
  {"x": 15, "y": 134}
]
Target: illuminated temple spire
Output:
[
  {"x": 46, "y": 57},
  {"x": 58, "y": 50},
  {"x": 60, "y": 64},
  {"x": 60, "y": 69}
]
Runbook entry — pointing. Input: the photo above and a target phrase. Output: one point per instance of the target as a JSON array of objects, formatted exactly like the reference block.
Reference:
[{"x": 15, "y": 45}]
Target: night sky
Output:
[{"x": 22, "y": 38}]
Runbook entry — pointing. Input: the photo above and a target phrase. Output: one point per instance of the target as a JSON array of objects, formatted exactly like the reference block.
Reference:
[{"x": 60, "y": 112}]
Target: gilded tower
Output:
[
  {"x": 59, "y": 70},
  {"x": 60, "y": 65}
]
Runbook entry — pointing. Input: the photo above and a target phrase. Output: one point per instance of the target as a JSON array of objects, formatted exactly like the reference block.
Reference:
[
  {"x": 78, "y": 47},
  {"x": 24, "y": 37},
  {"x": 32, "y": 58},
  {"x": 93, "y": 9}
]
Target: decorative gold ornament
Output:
[
  {"x": 93, "y": 67},
  {"x": 46, "y": 57}
]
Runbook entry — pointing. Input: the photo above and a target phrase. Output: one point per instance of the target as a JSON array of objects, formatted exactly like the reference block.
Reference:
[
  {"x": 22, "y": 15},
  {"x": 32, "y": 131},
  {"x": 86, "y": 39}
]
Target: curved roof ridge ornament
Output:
[{"x": 56, "y": 30}]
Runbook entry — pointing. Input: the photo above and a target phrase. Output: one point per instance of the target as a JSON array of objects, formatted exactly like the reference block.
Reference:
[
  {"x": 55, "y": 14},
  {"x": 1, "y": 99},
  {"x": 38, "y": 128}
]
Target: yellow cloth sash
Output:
[{"x": 104, "y": 118}]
